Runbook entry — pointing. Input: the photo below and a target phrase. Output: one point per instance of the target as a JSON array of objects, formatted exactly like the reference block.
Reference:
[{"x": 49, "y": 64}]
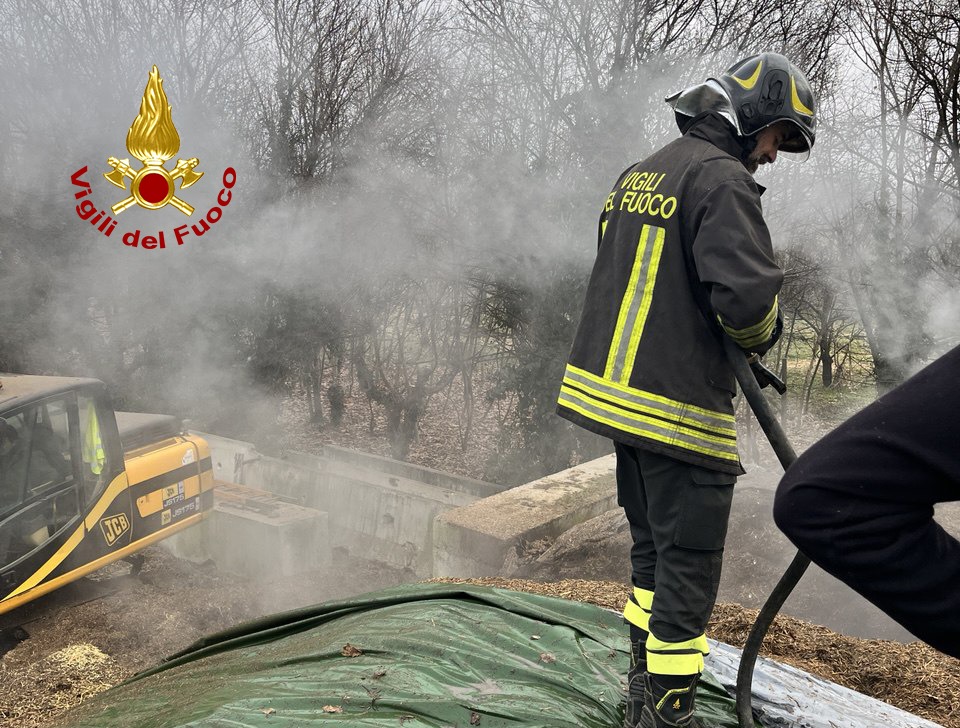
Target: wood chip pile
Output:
[
  {"x": 59, "y": 681},
  {"x": 912, "y": 677}
]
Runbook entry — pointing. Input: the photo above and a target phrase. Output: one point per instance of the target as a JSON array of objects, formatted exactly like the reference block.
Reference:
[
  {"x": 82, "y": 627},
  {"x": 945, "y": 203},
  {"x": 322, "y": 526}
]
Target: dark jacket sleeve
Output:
[{"x": 734, "y": 259}]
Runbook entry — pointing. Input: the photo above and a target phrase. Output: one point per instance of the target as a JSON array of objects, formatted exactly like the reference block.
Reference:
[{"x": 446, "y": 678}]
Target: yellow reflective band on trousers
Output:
[
  {"x": 676, "y": 658},
  {"x": 644, "y": 597},
  {"x": 637, "y": 609},
  {"x": 635, "y": 305},
  {"x": 758, "y": 333},
  {"x": 649, "y": 415}
]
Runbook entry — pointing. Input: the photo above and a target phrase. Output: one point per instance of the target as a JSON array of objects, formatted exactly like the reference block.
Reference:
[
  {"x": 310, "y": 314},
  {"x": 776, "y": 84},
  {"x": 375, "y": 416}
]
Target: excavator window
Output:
[
  {"x": 14, "y": 453},
  {"x": 96, "y": 467},
  {"x": 39, "y": 454}
]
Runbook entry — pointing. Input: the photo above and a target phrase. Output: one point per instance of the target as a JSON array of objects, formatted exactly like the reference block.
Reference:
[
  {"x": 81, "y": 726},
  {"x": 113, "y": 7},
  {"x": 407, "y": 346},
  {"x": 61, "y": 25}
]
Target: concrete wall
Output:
[
  {"x": 371, "y": 514},
  {"x": 424, "y": 520},
  {"x": 388, "y": 466},
  {"x": 230, "y": 457},
  {"x": 376, "y": 508},
  {"x": 474, "y": 540}
]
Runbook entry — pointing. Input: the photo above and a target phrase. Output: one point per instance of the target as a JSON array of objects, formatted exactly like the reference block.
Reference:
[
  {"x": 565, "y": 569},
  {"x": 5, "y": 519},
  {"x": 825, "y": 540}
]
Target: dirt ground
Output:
[
  {"x": 95, "y": 633},
  {"x": 89, "y": 637}
]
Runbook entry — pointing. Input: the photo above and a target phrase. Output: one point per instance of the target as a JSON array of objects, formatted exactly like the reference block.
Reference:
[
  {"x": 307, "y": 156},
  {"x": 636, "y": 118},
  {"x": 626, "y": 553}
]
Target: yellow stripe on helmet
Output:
[
  {"x": 749, "y": 83},
  {"x": 798, "y": 105}
]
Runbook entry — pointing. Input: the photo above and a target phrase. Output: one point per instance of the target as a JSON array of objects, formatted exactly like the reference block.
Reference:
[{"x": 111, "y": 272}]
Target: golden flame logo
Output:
[{"x": 153, "y": 139}]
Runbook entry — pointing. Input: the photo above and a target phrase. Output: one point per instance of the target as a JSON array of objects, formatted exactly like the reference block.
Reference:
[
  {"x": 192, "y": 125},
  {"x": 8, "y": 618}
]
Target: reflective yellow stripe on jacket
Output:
[
  {"x": 649, "y": 415},
  {"x": 758, "y": 333},
  {"x": 635, "y": 305}
]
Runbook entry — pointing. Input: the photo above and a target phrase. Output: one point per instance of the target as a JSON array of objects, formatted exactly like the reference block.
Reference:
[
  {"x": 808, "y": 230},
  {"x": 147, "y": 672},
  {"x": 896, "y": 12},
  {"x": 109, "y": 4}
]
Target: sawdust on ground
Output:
[
  {"x": 80, "y": 650},
  {"x": 59, "y": 681},
  {"x": 97, "y": 632},
  {"x": 912, "y": 677}
]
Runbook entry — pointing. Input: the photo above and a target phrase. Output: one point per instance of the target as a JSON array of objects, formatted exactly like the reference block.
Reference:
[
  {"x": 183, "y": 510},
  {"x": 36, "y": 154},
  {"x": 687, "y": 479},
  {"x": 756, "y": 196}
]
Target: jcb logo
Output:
[{"x": 114, "y": 527}]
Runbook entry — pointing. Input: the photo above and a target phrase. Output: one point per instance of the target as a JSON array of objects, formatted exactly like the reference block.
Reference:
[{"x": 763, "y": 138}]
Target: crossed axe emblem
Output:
[{"x": 153, "y": 186}]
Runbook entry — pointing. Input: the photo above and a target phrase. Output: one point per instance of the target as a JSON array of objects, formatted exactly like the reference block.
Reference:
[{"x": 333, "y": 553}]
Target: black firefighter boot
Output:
[
  {"x": 670, "y": 701},
  {"x": 636, "y": 690}
]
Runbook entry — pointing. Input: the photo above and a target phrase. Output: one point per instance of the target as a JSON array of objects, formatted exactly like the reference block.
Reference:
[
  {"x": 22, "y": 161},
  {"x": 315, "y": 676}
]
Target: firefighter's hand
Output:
[{"x": 764, "y": 376}]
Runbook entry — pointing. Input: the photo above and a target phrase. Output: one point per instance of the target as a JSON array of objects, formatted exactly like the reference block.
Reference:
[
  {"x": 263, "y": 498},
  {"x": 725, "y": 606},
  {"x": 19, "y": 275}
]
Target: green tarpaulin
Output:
[{"x": 434, "y": 655}]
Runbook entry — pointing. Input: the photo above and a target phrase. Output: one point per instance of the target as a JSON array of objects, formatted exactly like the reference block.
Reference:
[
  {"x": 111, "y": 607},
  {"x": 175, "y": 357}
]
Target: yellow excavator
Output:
[{"x": 82, "y": 486}]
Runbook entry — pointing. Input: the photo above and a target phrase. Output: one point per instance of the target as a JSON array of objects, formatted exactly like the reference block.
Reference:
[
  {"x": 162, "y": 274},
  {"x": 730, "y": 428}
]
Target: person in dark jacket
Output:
[
  {"x": 684, "y": 258},
  {"x": 860, "y": 502}
]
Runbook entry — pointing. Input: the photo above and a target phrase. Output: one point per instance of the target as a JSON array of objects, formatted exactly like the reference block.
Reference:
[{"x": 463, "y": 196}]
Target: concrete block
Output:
[
  {"x": 258, "y": 535},
  {"x": 260, "y": 547},
  {"x": 191, "y": 544},
  {"x": 474, "y": 540}
]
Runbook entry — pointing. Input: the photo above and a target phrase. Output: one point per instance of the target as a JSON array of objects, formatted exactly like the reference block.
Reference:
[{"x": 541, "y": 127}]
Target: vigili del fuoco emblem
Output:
[{"x": 153, "y": 139}]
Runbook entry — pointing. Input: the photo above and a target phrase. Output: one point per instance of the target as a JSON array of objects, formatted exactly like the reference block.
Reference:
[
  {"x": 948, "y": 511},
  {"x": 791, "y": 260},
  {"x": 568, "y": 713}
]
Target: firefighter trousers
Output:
[
  {"x": 860, "y": 503},
  {"x": 678, "y": 520}
]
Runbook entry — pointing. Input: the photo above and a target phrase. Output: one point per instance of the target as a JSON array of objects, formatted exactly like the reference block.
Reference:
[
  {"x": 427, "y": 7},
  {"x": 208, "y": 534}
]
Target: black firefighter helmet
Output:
[{"x": 767, "y": 88}]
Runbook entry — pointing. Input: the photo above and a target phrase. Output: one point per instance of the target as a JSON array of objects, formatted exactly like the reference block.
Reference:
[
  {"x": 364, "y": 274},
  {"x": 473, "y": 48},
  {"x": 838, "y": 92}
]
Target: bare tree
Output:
[
  {"x": 325, "y": 71},
  {"x": 907, "y": 142},
  {"x": 417, "y": 337}
]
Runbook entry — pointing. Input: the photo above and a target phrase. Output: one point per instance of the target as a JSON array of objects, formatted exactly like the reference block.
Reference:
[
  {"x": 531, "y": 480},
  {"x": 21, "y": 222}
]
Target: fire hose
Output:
[{"x": 749, "y": 374}]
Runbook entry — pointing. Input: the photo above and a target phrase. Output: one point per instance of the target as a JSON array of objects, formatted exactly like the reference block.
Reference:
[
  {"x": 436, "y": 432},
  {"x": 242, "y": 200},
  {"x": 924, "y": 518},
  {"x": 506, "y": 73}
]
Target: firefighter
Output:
[
  {"x": 860, "y": 503},
  {"x": 684, "y": 257}
]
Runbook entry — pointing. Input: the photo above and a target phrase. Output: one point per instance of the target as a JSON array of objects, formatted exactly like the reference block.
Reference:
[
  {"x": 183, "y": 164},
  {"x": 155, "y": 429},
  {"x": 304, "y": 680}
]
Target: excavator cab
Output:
[
  {"x": 73, "y": 495},
  {"x": 44, "y": 479}
]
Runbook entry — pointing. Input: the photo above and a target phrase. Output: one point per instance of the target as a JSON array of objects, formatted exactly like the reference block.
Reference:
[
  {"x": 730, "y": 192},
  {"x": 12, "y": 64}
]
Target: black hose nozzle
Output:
[{"x": 765, "y": 377}]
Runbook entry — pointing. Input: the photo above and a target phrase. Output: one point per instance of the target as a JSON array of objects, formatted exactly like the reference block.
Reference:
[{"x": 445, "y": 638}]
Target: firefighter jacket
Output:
[{"x": 683, "y": 250}]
